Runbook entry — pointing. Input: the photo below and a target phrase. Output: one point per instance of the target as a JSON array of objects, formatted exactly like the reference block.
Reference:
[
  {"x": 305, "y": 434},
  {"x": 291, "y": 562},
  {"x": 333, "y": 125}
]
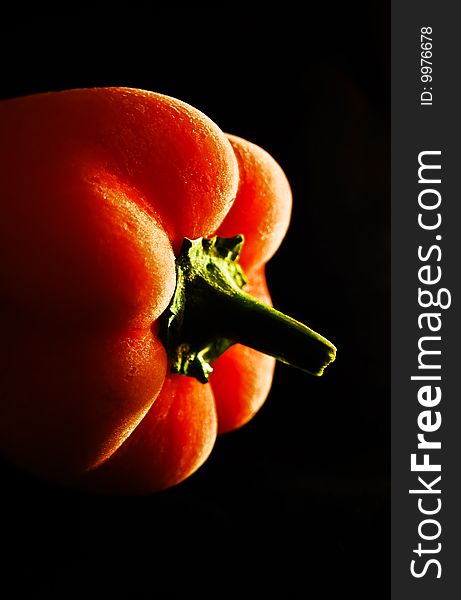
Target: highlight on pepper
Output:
[{"x": 137, "y": 324}]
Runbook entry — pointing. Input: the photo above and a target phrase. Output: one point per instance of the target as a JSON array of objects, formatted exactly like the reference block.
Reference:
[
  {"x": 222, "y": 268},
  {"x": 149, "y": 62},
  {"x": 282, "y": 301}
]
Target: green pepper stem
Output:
[
  {"x": 241, "y": 318},
  {"x": 210, "y": 312}
]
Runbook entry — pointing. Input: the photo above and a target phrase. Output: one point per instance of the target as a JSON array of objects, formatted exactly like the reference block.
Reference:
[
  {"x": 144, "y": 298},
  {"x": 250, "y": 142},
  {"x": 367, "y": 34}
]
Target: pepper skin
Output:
[{"x": 99, "y": 188}]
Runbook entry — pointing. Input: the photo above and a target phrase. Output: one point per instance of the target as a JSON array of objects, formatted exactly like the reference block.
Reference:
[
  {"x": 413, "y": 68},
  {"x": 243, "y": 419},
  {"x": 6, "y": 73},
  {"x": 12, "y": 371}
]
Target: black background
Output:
[{"x": 298, "y": 501}]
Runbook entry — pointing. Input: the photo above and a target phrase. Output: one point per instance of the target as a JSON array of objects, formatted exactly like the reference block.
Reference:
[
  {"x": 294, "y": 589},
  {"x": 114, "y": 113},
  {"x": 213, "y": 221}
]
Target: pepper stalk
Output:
[{"x": 209, "y": 312}]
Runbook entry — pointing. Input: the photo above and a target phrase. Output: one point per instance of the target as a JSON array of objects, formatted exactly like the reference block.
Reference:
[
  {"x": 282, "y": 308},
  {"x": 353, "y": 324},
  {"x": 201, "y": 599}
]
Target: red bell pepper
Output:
[{"x": 134, "y": 236}]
